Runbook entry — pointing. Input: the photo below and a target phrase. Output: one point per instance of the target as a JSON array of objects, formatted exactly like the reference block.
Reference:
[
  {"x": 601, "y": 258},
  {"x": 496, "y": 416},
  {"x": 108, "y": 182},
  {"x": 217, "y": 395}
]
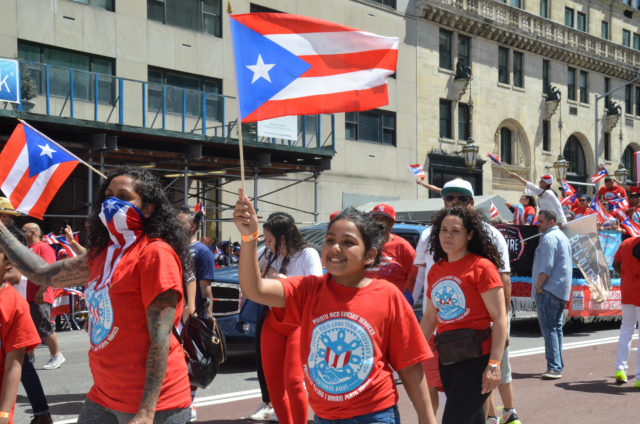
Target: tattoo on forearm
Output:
[
  {"x": 68, "y": 271},
  {"x": 160, "y": 316}
]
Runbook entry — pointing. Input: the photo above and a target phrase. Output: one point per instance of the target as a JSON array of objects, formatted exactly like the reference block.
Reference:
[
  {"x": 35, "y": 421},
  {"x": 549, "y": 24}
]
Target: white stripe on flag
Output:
[
  {"x": 341, "y": 42},
  {"x": 17, "y": 171},
  {"x": 350, "y": 81},
  {"x": 35, "y": 191},
  {"x": 341, "y": 359},
  {"x": 332, "y": 357}
]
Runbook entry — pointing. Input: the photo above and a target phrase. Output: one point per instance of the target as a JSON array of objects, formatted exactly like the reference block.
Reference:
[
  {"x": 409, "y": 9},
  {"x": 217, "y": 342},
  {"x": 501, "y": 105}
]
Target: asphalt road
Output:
[{"x": 589, "y": 355}]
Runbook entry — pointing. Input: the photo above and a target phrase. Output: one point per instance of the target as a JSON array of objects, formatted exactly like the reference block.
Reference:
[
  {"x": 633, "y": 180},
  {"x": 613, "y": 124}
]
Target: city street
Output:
[{"x": 587, "y": 392}]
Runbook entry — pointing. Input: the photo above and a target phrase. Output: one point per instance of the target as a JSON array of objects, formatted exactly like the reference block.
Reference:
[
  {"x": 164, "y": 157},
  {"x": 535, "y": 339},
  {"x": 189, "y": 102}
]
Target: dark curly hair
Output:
[
  {"x": 372, "y": 232},
  {"x": 282, "y": 225},
  {"x": 532, "y": 200},
  {"x": 161, "y": 224},
  {"x": 481, "y": 243}
]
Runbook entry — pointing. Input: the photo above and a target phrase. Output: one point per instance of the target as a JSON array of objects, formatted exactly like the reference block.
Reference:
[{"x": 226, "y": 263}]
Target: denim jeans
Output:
[
  {"x": 550, "y": 309},
  {"x": 33, "y": 387},
  {"x": 386, "y": 416}
]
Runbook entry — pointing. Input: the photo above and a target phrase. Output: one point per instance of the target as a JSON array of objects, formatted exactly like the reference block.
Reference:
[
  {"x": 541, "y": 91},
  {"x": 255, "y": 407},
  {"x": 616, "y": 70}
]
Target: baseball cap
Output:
[
  {"x": 7, "y": 208},
  {"x": 384, "y": 210},
  {"x": 333, "y": 215},
  {"x": 547, "y": 179},
  {"x": 457, "y": 185}
]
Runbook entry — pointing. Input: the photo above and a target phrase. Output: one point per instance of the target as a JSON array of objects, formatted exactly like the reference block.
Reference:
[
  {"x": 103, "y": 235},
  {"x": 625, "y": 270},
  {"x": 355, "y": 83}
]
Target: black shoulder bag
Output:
[{"x": 204, "y": 347}]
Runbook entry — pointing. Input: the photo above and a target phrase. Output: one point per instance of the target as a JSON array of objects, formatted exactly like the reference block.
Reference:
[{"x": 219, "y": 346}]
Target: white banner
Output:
[{"x": 285, "y": 127}]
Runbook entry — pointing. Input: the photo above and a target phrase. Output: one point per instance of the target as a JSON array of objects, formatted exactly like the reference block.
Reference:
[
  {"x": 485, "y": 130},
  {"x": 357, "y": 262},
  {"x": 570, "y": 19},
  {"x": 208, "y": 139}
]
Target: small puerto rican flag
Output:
[
  {"x": 493, "y": 210},
  {"x": 599, "y": 175},
  {"x": 197, "y": 208},
  {"x": 495, "y": 158},
  {"x": 417, "y": 170},
  {"x": 337, "y": 361}
]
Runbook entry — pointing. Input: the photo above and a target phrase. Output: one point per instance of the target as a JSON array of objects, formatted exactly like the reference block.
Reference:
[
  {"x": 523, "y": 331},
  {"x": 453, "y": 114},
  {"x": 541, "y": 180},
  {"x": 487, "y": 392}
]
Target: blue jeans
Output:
[
  {"x": 386, "y": 416},
  {"x": 550, "y": 309}
]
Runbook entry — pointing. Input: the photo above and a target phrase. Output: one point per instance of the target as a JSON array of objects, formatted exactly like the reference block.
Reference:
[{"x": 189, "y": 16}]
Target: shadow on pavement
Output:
[
  {"x": 238, "y": 421},
  {"x": 522, "y": 376},
  {"x": 598, "y": 386},
  {"x": 63, "y": 404}
]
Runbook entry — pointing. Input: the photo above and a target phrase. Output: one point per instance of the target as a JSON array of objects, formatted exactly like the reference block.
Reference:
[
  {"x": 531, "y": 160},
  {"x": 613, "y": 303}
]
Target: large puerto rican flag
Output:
[
  {"x": 32, "y": 169},
  {"x": 296, "y": 65}
]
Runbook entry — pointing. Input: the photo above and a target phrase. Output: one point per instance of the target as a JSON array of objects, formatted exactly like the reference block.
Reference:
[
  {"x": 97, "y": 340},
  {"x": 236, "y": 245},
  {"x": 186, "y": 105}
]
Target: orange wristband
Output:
[
  {"x": 4, "y": 414},
  {"x": 250, "y": 237},
  {"x": 493, "y": 363}
]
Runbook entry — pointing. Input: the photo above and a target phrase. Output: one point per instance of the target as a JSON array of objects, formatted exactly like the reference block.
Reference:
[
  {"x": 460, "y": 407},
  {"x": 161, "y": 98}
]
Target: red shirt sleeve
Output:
[
  {"x": 407, "y": 344},
  {"x": 408, "y": 257},
  {"x": 601, "y": 191},
  {"x": 294, "y": 292},
  {"x": 160, "y": 271},
  {"x": 488, "y": 276}
]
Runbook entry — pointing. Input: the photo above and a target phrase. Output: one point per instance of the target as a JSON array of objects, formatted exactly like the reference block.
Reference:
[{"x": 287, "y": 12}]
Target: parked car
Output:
[{"x": 228, "y": 299}]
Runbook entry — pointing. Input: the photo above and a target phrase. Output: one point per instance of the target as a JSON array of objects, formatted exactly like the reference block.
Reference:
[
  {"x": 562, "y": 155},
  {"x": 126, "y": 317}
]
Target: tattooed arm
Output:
[
  {"x": 67, "y": 272},
  {"x": 160, "y": 315}
]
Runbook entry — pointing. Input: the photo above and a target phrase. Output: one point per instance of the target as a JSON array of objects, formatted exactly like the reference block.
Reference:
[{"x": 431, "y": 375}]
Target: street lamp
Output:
[
  {"x": 470, "y": 153},
  {"x": 561, "y": 166},
  {"x": 621, "y": 174}
]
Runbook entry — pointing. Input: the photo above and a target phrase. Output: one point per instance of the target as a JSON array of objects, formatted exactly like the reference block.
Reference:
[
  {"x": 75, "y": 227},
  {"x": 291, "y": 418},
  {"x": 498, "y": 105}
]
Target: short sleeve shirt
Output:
[
  {"x": 609, "y": 194},
  {"x": 455, "y": 290},
  {"x": 350, "y": 339},
  {"x": 630, "y": 272},
  {"x": 118, "y": 328},
  {"x": 204, "y": 264},
  {"x": 396, "y": 261},
  {"x": 47, "y": 253}
]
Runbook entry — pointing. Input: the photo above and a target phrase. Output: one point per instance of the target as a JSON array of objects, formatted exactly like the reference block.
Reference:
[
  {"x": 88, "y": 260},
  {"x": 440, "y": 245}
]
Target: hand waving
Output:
[{"x": 244, "y": 216}]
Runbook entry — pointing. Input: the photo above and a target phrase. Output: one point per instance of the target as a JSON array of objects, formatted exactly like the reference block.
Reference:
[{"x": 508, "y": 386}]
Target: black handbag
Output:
[
  {"x": 205, "y": 348},
  {"x": 460, "y": 345}
]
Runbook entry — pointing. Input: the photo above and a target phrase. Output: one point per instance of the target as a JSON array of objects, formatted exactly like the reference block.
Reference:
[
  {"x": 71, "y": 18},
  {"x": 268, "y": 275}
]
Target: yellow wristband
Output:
[
  {"x": 4, "y": 414},
  {"x": 250, "y": 237},
  {"x": 493, "y": 363}
]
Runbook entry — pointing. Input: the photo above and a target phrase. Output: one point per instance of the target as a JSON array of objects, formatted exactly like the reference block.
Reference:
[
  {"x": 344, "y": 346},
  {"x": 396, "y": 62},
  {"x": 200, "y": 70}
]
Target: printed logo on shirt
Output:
[
  {"x": 341, "y": 357},
  {"x": 448, "y": 298},
  {"x": 100, "y": 314}
]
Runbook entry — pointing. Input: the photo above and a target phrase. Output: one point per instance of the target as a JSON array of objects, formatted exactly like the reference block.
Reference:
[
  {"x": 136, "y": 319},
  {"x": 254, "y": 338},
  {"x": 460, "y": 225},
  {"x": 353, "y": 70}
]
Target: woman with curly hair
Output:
[
  {"x": 465, "y": 295},
  {"x": 134, "y": 296}
]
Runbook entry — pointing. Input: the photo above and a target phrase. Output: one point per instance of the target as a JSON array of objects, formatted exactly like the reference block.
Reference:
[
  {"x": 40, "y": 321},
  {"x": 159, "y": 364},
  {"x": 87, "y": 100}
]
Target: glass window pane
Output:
[
  {"x": 445, "y": 49},
  {"x": 518, "y": 79},
  {"x": 28, "y": 52},
  {"x": 545, "y": 76},
  {"x": 605, "y": 30},
  {"x": 637, "y": 102},
  {"x": 571, "y": 84},
  {"x": 503, "y": 65},
  {"x": 350, "y": 131},
  {"x": 544, "y": 11},
  {"x": 464, "y": 50},
  {"x": 582, "y": 21},
  {"x": 184, "y": 13},
  {"x": 369, "y": 126},
  {"x": 351, "y": 117},
  {"x": 155, "y": 10},
  {"x": 626, "y": 38},
  {"x": 568, "y": 17},
  {"x": 505, "y": 145},
  {"x": 388, "y": 121},
  {"x": 445, "y": 119}
]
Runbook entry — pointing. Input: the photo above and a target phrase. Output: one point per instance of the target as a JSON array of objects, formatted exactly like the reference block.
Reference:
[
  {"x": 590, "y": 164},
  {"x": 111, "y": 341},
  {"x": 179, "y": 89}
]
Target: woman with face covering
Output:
[
  {"x": 134, "y": 296},
  {"x": 287, "y": 255}
]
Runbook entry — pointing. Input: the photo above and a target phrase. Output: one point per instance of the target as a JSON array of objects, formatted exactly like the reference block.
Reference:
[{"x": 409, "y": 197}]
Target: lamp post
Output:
[
  {"x": 561, "y": 166},
  {"x": 470, "y": 153},
  {"x": 621, "y": 174}
]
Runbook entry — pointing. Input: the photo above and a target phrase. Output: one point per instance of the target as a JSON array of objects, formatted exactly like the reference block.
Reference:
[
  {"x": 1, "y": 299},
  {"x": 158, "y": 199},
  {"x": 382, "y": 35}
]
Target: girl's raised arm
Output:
[{"x": 261, "y": 290}]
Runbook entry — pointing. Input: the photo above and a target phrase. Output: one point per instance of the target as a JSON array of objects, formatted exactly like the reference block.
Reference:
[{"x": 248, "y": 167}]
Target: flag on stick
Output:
[
  {"x": 599, "y": 175},
  {"x": 32, "y": 169},
  {"x": 417, "y": 170},
  {"x": 631, "y": 227},
  {"x": 602, "y": 213},
  {"x": 295, "y": 65},
  {"x": 493, "y": 210},
  {"x": 495, "y": 158},
  {"x": 197, "y": 208}
]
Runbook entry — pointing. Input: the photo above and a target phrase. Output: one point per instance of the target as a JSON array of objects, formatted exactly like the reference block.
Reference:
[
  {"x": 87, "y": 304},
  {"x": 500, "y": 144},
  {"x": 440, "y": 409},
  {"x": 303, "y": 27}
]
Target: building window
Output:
[
  {"x": 636, "y": 41},
  {"x": 446, "y": 123},
  {"x": 544, "y": 9},
  {"x": 445, "y": 49},
  {"x": 181, "y": 88},
  {"x": 197, "y": 15},
  {"x": 607, "y": 146},
  {"x": 607, "y": 87},
  {"x": 568, "y": 17},
  {"x": 628, "y": 103},
  {"x": 571, "y": 84},
  {"x": 637, "y": 101},
  {"x": 464, "y": 50},
  {"x": 60, "y": 63},
  {"x": 546, "y": 135},
  {"x": 545, "y": 76},
  {"x": 390, "y": 3},
  {"x": 605, "y": 30},
  {"x": 376, "y": 126},
  {"x": 574, "y": 154},
  {"x": 518, "y": 66},
  {"x": 463, "y": 121},
  {"x": 503, "y": 65},
  {"x": 626, "y": 38},
  {"x": 506, "y": 146},
  {"x": 584, "y": 87},
  {"x": 582, "y": 21},
  {"x": 102, "y": 4},
  {"x": 516, "y": 3},
  {"x": 628, "y": 161}
]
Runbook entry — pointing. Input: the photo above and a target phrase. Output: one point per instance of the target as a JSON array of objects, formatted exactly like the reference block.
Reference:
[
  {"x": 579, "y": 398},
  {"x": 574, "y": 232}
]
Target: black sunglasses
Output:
[{"x": 452, "y": 197}]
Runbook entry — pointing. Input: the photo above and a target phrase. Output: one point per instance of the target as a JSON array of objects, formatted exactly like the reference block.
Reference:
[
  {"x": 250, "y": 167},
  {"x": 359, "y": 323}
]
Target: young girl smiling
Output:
[{"x": 354, "y": 330}]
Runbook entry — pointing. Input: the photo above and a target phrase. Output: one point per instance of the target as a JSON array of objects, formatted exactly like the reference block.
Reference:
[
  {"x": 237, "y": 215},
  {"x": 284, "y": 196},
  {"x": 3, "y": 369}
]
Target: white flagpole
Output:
[{"x": 239, "y": 120}]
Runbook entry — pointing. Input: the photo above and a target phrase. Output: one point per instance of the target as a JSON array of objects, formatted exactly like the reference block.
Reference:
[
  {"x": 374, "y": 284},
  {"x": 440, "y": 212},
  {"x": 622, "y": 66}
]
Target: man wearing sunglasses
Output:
[
  {"x": 459, "y": 193},
  {"x": 581, "y": 207}
]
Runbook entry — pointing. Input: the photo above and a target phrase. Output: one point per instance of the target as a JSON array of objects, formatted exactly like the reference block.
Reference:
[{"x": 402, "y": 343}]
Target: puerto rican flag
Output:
[
  {"x": 197, "y": 208},
  {"x": 567, "y": 188},
  {"x": 61, "y": 304},
  {"x": 337, "y": 361},
  {"x": 599, "y": 175},
  {"x": 495, "y": 158},
  {"x": 416, "y": 169},
  {"x": 493, "y": 210},
  {"x": 631, "y": 227},
  {"x": 61, "y": 241},
  {"x": 32, "y": 169},
  {"x": 295, "y": 65},
  {"x": 603, "y": 214}
]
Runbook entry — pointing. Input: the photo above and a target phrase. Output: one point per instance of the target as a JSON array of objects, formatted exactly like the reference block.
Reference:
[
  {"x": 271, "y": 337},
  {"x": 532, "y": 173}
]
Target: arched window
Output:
[
  {"x": 574, "y": 154},
  {"x": 629, "y": 163},
  {"x": 506, "y": 146}
]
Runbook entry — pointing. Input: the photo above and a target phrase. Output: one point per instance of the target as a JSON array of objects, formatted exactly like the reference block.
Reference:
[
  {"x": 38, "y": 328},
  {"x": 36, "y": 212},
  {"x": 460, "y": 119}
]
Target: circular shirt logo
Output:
[
  {"x": 449, "y": 299},
  {"x": 100, "y": 312},
  {"x": 341, "y": 355}
]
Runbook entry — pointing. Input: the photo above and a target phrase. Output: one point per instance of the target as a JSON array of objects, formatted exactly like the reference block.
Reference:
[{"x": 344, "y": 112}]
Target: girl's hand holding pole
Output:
[{"x": 244, "y": 216}]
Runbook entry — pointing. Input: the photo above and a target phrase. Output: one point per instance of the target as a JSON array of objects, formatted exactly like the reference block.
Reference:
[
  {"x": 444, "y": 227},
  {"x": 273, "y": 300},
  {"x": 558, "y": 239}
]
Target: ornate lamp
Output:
[
  {"x": 621, "y": 174},
  {"x": 470, "y": 153},
  {"x": 561, "y": 166}
]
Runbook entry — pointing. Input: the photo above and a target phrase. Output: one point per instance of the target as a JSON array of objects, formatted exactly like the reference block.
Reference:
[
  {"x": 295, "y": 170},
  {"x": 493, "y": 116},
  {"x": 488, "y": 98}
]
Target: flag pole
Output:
[
  {"x": 23, "y": 122},
  {"x": 239, "y": 119}
]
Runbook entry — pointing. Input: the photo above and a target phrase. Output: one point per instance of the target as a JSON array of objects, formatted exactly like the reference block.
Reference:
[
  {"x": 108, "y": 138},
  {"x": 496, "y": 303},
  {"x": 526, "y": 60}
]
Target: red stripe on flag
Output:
[
  {"x": 358, "y": 100},
  {"x": 21, "y": 190},
  {"x": 55, "y": 182},
  {"x": 323, "y": 65},
  {"x": 11, "y": 151},
  {"x": 284, "y": 23}
]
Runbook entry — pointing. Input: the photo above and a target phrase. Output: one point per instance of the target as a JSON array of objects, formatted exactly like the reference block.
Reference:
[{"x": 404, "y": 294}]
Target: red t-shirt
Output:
[
  {"x": 350, "y": 339},
  {"x": 17, "y": 330},
  {"x": 455, "y": 288},
  {"x": 630, "y": 272},
  {"x": 47, "y": 253},
  {"x": 580, "y": 212},
  {"x": 118, "y": 328},
  {"x": 396, "y": 261},
  {"x": 616, "y": 191}
]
